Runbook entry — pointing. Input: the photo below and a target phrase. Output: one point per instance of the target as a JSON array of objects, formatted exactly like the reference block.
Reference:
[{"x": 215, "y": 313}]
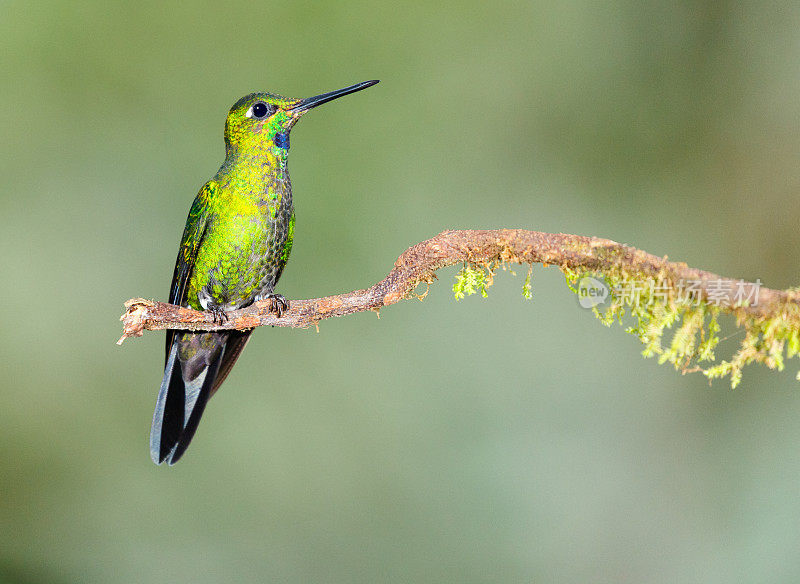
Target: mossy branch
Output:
[{"x": 771, "y": 323}]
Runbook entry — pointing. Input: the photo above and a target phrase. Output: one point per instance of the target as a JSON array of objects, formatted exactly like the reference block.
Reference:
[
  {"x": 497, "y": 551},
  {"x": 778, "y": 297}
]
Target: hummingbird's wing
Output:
[
  {"x": 190, "y": 243},
  {"x": 187, "y": 253},
  {"x": 192, "y": 359}
]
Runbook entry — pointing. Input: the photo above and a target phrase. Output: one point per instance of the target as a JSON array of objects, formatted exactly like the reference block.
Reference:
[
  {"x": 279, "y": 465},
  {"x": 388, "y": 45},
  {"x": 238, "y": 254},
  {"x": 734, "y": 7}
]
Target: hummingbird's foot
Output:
[
  {"x": 218, "y": 315},
  {"x": 277, "y": 303}
]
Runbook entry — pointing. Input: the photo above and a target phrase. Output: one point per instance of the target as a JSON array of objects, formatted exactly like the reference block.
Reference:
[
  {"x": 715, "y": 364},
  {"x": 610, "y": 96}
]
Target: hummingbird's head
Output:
[{"x": 266, "y": 118}]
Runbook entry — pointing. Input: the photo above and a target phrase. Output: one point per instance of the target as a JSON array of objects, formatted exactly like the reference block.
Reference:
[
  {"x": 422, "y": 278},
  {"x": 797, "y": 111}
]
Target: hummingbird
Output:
[{"x": 236, "y": 242}]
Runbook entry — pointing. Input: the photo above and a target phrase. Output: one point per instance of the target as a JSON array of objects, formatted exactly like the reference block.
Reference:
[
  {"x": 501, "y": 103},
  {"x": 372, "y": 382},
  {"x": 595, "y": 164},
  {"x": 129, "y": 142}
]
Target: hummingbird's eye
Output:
[{"x": 260, "y": 110}]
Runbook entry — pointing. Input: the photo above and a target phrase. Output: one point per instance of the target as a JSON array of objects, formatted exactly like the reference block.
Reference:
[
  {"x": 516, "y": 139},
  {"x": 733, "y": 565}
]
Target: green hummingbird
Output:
[{"x": 236, "y": 242}]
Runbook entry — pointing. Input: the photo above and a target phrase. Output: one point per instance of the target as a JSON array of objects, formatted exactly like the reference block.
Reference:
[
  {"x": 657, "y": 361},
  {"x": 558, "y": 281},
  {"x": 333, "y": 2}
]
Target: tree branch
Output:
[{"x": 486, "y": 248}]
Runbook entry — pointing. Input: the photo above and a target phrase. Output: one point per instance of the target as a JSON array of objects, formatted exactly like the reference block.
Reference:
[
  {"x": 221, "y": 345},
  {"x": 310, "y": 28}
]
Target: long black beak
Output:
[{"x": 306, "y": 104}]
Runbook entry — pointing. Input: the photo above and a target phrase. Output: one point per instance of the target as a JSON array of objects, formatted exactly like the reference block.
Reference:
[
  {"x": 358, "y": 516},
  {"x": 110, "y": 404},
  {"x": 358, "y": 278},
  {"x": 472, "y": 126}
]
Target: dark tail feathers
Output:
[{"x": 197, "y": 363}]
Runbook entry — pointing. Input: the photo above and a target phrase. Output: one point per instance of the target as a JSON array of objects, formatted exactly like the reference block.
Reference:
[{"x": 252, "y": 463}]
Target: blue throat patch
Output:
[{"x": 282, "y": 140}]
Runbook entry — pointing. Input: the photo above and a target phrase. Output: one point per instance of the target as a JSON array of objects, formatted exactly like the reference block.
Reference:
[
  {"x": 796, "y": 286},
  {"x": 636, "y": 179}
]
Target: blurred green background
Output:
[{"x": 491, "y": 440}]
